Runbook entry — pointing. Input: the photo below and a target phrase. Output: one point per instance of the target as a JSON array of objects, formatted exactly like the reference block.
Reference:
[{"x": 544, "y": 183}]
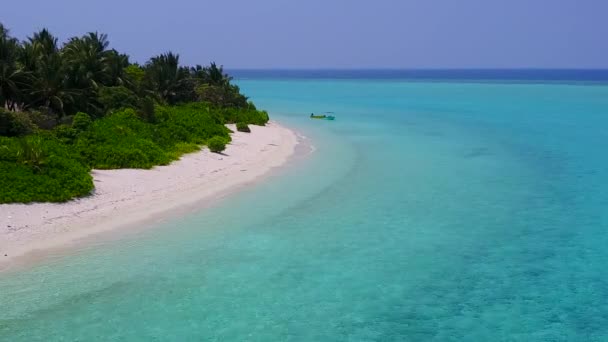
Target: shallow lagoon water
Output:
[{"x": 429, "y": 211}]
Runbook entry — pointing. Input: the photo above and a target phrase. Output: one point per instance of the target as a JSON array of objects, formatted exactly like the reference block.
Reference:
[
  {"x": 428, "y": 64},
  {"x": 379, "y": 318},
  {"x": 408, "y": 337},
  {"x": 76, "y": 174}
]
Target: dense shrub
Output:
[
  {"x": 81, "y": 121},
  {"x": 226, "y": 95},
  {"x": 123, "y": 140},
  {"x": 120, "y": 140},
  {"x": 217, "y": 144},
  {"x": 147, "y": 111},
  {"x": 248, "y": 115},
  {"x": 182, "y": 148},
  {"x": 192, "y": 123},
  {"x": 66, "y": 134},
  {"x": 262, "y": 118},
  {"x": 115, "y": 98},
  {"x": 53, "y": 165},
  {"x": 13, "y": 124},
  {"x": 38, "y": 168},
  {"x": 242, "y": 127}
]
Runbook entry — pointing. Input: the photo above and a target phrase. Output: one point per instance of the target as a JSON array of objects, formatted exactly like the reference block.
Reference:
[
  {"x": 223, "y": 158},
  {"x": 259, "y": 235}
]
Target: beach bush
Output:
[
  {"x": 191, "y": 123},
  {"x": 242, "y": 127},
  {"x": 81, "y": 121},
  {"x": 123, "y": 140},
  {"x": 120, "y": 140},
  {"x": 53, "y": 165},
  {"x": 182, "y": 148},
  {"x": 38, "y": 168},
  {"x": 13, "y": 124},
  {"x": 65, "y": 134},
  {"x": 217, "y": 144},
  {"x": 248, "y": 115}
]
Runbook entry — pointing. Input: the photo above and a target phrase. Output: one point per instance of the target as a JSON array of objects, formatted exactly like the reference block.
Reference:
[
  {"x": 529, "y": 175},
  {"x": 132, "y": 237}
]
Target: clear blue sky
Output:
[{"x": 336, "y": 33}]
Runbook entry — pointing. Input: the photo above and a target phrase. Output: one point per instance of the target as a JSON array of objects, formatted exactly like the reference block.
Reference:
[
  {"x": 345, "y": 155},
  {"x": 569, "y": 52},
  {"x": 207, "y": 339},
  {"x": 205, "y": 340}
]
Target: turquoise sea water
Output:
[{"x": 430, "y": 211}]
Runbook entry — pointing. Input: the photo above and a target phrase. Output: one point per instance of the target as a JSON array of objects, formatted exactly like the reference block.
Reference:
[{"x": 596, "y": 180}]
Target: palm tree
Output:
[
  {"x": 49, "y": 89},
  {"x": 47, "y": 85},
  {"x": 214, "y": 87},
  {"x": 87, "y": 61},
  {"x": 44, "y": 43},
  {"x": 116, "y": 63},
  {"x": 212, "y": 75},
  {"x": 88, "y": 67},
  {"x": 11, "y": 76},
  {"x": 166, "y": 81},
  {"x": 86, "y": 75}
]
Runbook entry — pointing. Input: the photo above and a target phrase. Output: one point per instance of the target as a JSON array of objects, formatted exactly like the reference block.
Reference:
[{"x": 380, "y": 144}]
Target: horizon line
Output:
[{"x": 419, "y": 69}]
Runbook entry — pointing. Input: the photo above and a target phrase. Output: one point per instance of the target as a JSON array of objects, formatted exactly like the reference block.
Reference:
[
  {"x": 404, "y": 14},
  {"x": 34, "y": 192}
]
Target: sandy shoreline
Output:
[{"x": 126, "y": 197}]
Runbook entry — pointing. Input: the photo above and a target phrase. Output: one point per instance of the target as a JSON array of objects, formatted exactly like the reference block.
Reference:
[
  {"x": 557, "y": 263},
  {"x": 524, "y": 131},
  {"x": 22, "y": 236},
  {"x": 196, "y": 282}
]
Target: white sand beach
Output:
[{"x": 123, "y": 198}]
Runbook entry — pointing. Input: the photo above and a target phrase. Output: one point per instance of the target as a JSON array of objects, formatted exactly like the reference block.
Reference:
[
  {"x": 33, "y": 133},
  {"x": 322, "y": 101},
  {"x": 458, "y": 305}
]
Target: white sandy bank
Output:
[{"x": 128, "y": 196}]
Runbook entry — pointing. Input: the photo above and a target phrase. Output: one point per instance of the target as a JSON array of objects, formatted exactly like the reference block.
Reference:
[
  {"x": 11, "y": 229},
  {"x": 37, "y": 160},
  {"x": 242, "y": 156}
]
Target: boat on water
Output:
[{"x": 323, "y": 116}]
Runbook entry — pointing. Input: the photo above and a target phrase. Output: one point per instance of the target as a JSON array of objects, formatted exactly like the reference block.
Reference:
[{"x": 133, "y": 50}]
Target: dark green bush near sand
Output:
[
  {"x": 191, "y": 123},
  {"x": 54, "y": 165},
  {"x": 242, "y": 127},
  {"x": 40, "y": 168},
  {"x": 120, "y": 140},
  {"x": 248, "y": 115},
  {"x": 123, "y": 140},
  {"x": 217, "y": 144}
]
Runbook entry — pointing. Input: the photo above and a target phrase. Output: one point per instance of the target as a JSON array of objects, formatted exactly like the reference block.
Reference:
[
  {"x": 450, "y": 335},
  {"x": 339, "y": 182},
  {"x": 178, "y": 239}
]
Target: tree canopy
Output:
[
  {"x": 67, "y": 108},
  {"x": 40, "y": 74}
]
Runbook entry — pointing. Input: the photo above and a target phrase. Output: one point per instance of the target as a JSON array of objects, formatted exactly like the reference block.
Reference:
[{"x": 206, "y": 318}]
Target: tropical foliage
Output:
[
  {"x": 68, "y": 108},
  {"x": 242, "y": 127},
  {"x": 85, "y": 75},
  {"x": 40, "y": 168},
  {"x": 217, "y": 144}
]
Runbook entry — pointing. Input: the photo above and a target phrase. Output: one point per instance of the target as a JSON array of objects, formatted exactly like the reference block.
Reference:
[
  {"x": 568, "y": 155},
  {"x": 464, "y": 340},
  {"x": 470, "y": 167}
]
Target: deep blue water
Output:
[
  {"x": 430, "y": 211},
  {"x": 436, "y": 75}
]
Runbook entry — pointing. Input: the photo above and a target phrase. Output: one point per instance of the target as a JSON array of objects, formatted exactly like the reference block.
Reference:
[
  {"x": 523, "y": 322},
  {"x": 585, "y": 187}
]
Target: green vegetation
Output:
[
  {"x": 65, "y": 109},
  {"x": 123, "y": 140},
  {"x": 242, "y": 127},
  {"x": 217, "y": 144},
  {"x": 15, "y": 124},
  {"x": 82, "y": 121},
  {"x": 40, "y": 168}
]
